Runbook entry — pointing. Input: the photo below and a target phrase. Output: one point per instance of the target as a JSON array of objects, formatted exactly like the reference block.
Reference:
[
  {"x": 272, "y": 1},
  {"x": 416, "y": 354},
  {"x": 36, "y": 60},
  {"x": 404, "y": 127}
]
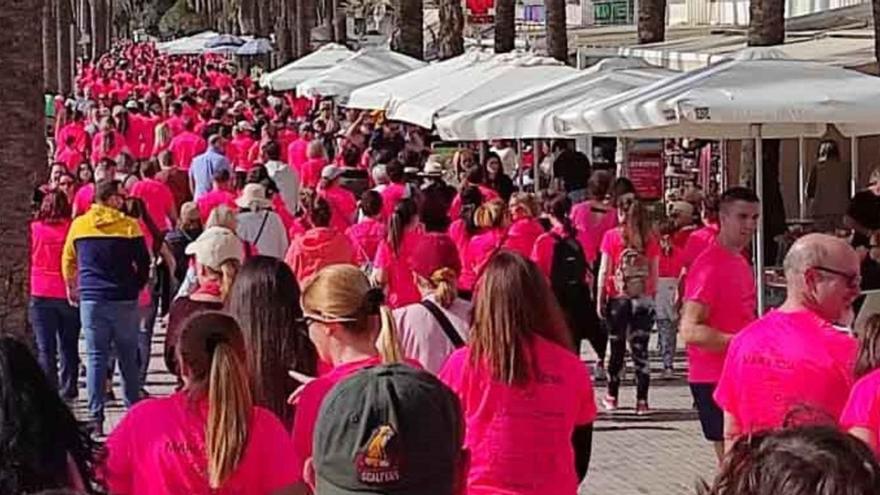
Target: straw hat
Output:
[{"x": 253, "y": 195}]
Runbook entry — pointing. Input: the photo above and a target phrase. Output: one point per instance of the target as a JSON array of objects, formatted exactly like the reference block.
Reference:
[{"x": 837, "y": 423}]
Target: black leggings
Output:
[{"x": 630, "y": 320}]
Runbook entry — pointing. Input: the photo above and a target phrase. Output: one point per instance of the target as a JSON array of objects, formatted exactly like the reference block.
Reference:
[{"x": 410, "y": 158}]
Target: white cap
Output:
[
  {"x": 253, "y": 195},
  {"x": 215, "y": 246}
]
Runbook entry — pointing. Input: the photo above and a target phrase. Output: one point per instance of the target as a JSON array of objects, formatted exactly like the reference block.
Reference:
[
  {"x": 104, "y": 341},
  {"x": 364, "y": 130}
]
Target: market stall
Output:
[
  {"x": 287, "y": 77},
  {"x": 365, "y": 67}
]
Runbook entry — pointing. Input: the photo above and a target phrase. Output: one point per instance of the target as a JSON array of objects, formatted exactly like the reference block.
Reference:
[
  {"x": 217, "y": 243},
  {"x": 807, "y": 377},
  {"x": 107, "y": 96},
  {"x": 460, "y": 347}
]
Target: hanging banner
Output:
[
  {"x": 645, "y": 170},
  {"x": 479, "y": 7}
]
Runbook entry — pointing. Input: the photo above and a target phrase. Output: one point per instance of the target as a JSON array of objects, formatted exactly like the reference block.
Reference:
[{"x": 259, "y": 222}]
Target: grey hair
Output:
[
  {"x": 804, "y": 253},
  {"x": 380, "y": 175}
]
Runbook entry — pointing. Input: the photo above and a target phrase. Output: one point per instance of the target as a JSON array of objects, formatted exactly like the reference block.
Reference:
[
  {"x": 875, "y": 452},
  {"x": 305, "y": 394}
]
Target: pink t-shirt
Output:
[
  {"x": 488, "y": 195},
  {"x": 83, "y": 199},
  {"x": 401, "y": 288},
  {"x": 542, "y": 253},
  {"x": 158, "y": 200},
  {"x": 238, "y": 151},
  {"x": 297, "y": 154},
  {"x": 159, "y": 449},
  {"x": 782, "y": 361},
  {"x": 366, "y": 237},
  {"x": 863, "y": 407},
  {"x": 186, "y": 146},
  {"x": 519, "y": 437},
  {"x": 698, "y": 241},
  {"x": 392, "y": 195},
  {"x": 613, "y": 247},
  {"x": 459, "y": 235},
  {"x": 311, "y": 172},
  {"x": 478, "y": 252},
  {"x": 723, "y": 281},
  {"x": 47, "y": 243},
  {"x": 522, "y": 234},
  {"x": 71, "y": 158},
  {"x": 592, "y": 224},
  {"x": 213, "y": 199},
  {"x": 343, "y": 206}
]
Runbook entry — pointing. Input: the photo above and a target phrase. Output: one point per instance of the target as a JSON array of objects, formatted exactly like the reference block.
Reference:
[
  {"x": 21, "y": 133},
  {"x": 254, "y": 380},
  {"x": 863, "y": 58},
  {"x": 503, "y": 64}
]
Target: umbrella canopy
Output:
[
  {"x": 224, "y": 40},
  {"x": 287, "y": 77},
  {"x": 256, "y": 46},
  {"x": 759, "y": 86},
  {"x": 529, "y": 114},
  {"x": 378, "y": 96},
  {"x": 364, "y": 67},
  {"x": 190, "y": 45},
  {"x": 476, "y": 84}
]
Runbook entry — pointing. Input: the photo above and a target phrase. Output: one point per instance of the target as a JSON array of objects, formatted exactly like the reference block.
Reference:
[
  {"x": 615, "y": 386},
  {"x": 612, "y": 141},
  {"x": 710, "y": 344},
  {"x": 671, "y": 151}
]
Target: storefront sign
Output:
[
  {"x": 613, "y": 12},
  {"x": 645, "y": 170}
]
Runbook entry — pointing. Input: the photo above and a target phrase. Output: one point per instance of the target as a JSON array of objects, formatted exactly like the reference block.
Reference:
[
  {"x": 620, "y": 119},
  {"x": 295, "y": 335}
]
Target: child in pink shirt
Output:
[
  {"x": 527, "y": 399},
  {"x": 161, "y": 445},
  {"x": 861, "y": 416},
  {"x": 367, "y": 234}
]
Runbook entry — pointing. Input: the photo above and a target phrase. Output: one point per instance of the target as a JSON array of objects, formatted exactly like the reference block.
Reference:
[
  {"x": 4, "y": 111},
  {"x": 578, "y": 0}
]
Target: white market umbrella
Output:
[
  {"x": 476, "y": 85},
  {"x": 287, "y": 77},
  {"x": 379, "y": 95},
  {"x": 365, "y": 67},
  {"x": 757, "y": 94},
  {"x": 256, "y": 46},
  {"x": 529, "y": 113},
  {"x": 189, "y": 45}
]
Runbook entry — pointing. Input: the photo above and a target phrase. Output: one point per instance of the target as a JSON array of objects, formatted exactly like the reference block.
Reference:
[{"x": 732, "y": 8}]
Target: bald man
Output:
[{"x": 793, "y": 366}]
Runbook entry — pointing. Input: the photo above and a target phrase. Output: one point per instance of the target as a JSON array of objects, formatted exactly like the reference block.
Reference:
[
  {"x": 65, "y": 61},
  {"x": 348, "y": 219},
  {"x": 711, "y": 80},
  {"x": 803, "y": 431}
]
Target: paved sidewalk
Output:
[{"x": 663, "y": 453}]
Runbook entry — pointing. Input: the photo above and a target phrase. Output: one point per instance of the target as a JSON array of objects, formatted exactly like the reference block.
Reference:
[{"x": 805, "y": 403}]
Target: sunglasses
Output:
[
  {"x": 853, "y": 280},
  {"x": 310, "y": 318}
]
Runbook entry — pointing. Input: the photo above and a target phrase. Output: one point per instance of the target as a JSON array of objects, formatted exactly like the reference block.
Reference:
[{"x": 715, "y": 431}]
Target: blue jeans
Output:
[
  {"x": 145, "y": 335},
  {"x": 56, "y": 328},
  {"x": 106, "y": 322}
]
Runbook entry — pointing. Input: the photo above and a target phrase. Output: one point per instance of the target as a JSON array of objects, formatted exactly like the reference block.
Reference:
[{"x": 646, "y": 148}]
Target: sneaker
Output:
[
  {"x": 642, "y": 408},
  {"x": 610, "y": 403},
  {"x": 668, "y": 374}
]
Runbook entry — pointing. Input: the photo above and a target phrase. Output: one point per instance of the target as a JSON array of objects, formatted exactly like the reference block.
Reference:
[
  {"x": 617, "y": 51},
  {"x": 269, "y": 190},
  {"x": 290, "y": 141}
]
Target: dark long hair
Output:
[
  {"x": 559, "y": 206},
  {"x": 265, "y": 300},
  {"x": 403, "y": 215},
  {"x": 55, "y": 208},
  {"x": 471, "y": 199},
  {"x": 37, "y": 430}
]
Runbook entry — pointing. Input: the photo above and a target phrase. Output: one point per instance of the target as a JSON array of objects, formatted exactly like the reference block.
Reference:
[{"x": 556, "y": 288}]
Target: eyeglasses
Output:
[
  {"x": 853, "y": 280},
  {"x": 310, "y": 318}
]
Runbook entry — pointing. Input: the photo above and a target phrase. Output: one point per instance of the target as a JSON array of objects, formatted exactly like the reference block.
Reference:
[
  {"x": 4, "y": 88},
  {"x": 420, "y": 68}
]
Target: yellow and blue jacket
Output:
[{"x": 106, "y": 250}]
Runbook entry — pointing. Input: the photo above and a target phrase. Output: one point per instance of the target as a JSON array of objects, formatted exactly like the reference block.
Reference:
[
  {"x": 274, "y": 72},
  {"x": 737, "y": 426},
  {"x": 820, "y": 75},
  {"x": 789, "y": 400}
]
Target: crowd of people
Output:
[{"x": 345, "y": 315}]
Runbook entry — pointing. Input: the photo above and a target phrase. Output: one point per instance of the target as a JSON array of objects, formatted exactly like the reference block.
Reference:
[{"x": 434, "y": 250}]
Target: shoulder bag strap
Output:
[
  {"x": 262, "y": 226},
  {"x": 444, "y": 322}
]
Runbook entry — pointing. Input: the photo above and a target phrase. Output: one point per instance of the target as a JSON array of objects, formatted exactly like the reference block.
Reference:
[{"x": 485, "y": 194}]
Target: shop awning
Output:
[
  {"x": 365, "y": 67},
  {"x": 286, "y": 78}
]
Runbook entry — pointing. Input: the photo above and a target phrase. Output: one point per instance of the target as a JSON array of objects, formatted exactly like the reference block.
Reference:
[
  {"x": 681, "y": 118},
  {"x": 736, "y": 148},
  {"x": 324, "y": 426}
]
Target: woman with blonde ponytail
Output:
[
  {"x": 352, "y": 329},
  {"x": 218, "y": 256},
  {"x": 209, "y": 437},
  {"x": 433, "y": 328}
]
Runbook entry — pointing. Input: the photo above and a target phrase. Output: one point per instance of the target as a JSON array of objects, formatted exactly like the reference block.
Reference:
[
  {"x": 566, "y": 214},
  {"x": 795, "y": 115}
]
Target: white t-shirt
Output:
[{"x": 272, "y": 240}]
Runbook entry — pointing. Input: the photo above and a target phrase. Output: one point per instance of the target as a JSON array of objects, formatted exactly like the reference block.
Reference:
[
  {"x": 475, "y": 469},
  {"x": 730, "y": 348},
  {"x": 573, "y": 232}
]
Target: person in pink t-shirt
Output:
[
  {"x": 861, "y": 416},
  {"x": 524, "y": 227},
  {"x": 492, "y": 219},
  {"x": 367, "y": 234},
  {"x": 320, "y": 245},
  {"x": 221, "y": 194},
  {"x": 475, "y": 177},
  {"x": 71, "y": 157},
  {"x": 187, "y": 145},
  {"x": 626, "y": 287},
  {"x": 350, "y": 328},
  {"x": 342, "y": 202},
  {"x": 593, "y": 217},
  {"x": 82, "y": 201},
  {"x": 297, "y": 151},
  {"x": 108, "y": 143},
  {"x": 528, "y": 400},
  {"x": 704, "y": 236},
  {"x": 719, "y": 301},
  {"x": 310, "y": 170},
  {"x": 238, "y": 149},
  {"x": 156, "y": 196},
  {"x": 463, "y": 228},
  {"x": 396, "y": 191},
  {"x": 55, "y": 322},
  {"x": 392, "y": 263},
  {"x": 793, "y": 363},
  {"x": 207, "y": 438}
]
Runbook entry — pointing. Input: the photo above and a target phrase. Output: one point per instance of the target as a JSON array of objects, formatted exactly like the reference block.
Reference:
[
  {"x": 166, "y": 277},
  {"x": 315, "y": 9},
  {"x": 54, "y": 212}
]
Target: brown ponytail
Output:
[
  {"x": 212, "y": 355},
  {"x": 445, "y": 286}
]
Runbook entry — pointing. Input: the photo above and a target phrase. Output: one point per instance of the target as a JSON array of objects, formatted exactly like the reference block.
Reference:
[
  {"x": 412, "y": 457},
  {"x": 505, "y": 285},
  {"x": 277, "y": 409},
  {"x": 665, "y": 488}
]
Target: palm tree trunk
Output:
[
  {"x": 451, "y": 40},
  {"x": 22, "y": 153},
  {"x": 652, "y": 21},
  {"x": 50, "y": 67},
  {"x": 505, "y": 25},
  {"x": 264, "y": 16},
  {"x": 305, "y": 21},
  {"x": 766, "y": 22},
  {"x": 876, "y": 6},
  {"x": 409, "y": 19},
  {"x": 99, "y": 28},
  {"x": 247, "y": 16},
  {"x": 63, "y": 27},
  {"x": 340, "y": 24},
  {"x": 330, "y": 19},
  {"x": 557, "y": 34}
]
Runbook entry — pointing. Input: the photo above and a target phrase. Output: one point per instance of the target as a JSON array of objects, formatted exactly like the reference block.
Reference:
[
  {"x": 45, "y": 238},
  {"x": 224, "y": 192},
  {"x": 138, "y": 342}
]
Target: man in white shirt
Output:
[{"x": 286, "y": 179}]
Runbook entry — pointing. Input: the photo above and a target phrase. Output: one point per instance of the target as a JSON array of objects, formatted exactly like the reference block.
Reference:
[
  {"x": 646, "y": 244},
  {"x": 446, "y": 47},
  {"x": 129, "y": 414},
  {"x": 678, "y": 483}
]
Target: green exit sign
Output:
[{"x": 613, "y": 12}]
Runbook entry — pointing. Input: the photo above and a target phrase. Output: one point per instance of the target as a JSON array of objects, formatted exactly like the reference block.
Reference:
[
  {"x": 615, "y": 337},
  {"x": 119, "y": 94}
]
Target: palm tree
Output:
[
  {"x": 557, "y": 34},
  {"x": 876, "y": 7},
  {"x": 451, "y": 39},
  {"x": 409, "y": 23},
  {"x": 50, "y": 72},
  {"x": 767, "y": 22},
  {"x": 305, "y": 21},
  {"x": 22, "y": 152},
  {"x": 652, "y": 21},
  {"x": 64, "y": 20},
  {"x": 505, "y": 25},
  {"x": 98, "y": 23}
]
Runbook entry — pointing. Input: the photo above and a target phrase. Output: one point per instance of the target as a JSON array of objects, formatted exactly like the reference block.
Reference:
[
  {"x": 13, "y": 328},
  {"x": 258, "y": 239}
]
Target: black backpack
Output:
[{"x": 569, "y": 268}]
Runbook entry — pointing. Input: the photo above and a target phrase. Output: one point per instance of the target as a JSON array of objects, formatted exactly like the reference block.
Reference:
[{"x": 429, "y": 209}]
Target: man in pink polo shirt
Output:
[
  {"x": 793, "y": 365},
  {"x": 719, "y": 300}
]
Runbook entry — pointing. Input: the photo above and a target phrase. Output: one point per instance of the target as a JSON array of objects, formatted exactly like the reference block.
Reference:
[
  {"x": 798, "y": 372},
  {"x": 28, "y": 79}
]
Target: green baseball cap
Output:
[{"x": 390, "y": 429}]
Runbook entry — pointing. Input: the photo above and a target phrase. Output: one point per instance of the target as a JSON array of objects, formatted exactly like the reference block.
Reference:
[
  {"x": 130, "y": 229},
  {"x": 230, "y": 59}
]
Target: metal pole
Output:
[
  {"x": 723, "y": 183},
  {"x": 802, "y": 177},
  {"x": 759, "y": 233},
  {"x": 854, "y": 164}
]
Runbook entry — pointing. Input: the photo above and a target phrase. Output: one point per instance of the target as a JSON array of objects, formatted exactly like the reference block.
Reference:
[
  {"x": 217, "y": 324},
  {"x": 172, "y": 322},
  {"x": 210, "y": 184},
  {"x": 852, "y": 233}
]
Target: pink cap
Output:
[{"x": 435, "y": 251}]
